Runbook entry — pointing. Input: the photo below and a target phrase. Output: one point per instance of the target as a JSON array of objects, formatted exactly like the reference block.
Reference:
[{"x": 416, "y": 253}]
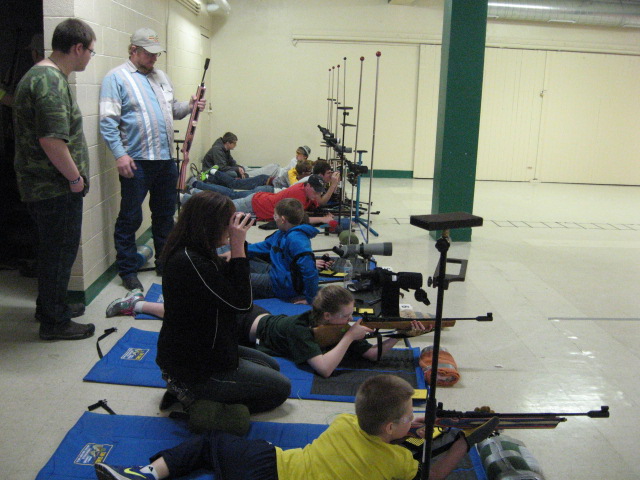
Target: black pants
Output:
[
  {"x": 59, "y": 224},
  {"x": 256, "y": 383}
]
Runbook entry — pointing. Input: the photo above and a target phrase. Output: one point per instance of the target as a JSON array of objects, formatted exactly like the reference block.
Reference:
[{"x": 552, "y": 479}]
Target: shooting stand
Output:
[
  {"x": 356, "y": 216},
  {"x": 350, "y": 171},
  {"x": 440, "y": 280}
]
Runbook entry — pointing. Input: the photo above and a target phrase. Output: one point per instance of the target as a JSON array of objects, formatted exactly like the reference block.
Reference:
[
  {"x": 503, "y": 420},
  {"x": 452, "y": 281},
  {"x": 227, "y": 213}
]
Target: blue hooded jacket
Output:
[{"x": 283, "y": 248}]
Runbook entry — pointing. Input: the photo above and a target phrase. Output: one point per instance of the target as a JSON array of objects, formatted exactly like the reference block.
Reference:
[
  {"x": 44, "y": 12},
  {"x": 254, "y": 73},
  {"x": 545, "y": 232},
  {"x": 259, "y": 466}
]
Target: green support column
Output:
[{"x": 461, "y": 70}]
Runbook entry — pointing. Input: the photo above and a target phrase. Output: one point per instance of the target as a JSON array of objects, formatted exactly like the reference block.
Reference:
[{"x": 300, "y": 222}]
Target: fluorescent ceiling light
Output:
[{"x": 520, "y": 5}]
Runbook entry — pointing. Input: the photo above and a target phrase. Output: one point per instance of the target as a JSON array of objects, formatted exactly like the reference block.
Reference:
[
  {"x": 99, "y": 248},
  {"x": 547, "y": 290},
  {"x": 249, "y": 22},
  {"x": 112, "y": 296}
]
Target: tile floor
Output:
[{"x": 558, "y": 265}]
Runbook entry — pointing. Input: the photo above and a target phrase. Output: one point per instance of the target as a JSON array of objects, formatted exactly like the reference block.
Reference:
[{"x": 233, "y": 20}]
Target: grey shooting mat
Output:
[{"x": 352, "y": 371}]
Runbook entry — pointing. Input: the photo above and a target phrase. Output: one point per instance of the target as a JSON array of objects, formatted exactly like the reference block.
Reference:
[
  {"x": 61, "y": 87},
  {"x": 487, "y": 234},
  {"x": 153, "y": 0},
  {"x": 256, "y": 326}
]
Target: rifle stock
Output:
[
  {"x": 330, "y": 335},
  {"x": 191, "y": 130}
]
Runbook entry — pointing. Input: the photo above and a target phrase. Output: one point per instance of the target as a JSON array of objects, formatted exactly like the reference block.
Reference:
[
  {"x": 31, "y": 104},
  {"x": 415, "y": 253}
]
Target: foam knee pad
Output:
[{"x": 208, "y": 415}]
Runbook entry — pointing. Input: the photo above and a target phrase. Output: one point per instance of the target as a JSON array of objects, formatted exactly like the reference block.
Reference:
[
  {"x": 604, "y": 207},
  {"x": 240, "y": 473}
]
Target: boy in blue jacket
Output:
[{"x": 291, "y": 273}]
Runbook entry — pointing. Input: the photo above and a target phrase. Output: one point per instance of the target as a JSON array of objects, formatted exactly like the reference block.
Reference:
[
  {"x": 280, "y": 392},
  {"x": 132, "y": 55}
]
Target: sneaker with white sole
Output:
[
  {"x": 125, "y": 305},
  {"x": 107, "y": 472}
]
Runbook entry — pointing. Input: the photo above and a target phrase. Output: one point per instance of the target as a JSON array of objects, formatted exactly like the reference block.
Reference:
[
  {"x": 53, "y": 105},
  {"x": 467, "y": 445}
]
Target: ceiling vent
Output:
[{"x": 193, "y": 6}]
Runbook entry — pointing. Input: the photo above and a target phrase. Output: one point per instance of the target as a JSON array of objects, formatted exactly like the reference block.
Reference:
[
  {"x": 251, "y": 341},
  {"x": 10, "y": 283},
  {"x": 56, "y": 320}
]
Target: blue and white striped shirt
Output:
[{"x": 137, "y": 112}]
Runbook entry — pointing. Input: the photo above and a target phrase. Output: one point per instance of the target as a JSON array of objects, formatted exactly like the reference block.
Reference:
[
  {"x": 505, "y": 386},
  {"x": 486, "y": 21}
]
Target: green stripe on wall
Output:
[
  {"x": 390, "y": 174},
  {"x": 393, "y": 174},
  {"x": 88, "y": 295}
]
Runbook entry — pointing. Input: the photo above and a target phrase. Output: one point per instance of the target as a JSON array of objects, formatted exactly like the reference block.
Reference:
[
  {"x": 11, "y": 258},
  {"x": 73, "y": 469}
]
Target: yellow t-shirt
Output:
[
  {"x": 347, "y": 452},
  {"x": 293, "y": 175}
]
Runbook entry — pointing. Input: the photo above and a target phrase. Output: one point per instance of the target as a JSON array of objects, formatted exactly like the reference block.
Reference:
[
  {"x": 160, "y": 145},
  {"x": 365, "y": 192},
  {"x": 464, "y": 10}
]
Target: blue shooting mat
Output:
[
  {"x": 274, "y": 306},
  {"x": 132, "y": 361},
  {"x": 131, "y": 440}
]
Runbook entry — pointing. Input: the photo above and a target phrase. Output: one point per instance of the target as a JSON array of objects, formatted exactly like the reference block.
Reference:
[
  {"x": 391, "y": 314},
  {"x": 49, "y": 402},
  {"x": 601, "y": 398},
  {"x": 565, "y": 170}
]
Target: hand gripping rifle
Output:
[
  {"x": 329, "y": 335},
  {"x": 191, "y": 130},
  {"x": 469, "y": 420}
]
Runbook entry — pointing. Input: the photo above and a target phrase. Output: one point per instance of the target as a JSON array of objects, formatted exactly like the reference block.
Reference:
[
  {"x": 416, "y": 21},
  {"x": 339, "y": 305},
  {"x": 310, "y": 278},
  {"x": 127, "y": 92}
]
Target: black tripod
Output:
[{"x": 440, "y": 280}]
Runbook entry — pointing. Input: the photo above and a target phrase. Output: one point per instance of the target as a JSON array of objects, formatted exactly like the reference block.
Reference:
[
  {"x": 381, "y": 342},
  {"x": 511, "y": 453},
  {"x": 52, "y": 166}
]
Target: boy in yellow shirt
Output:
[{"x": 361, "y": 446}]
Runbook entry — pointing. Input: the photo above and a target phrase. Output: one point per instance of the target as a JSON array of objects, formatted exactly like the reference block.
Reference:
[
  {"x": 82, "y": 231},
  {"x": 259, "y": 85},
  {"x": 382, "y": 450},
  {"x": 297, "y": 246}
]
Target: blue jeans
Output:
[
  {"x": 257, "y": 383},
  {"x": 232, "y": 194},
  {"x": 261, "y": 279},
  {"x": 59, "y": 225},
  {"x": 226, "y": 180},
  {"x": 159, "y": 178}
]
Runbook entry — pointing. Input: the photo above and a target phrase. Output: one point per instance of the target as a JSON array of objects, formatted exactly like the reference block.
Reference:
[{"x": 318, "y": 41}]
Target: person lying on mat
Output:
[
  {"x": 329, "y": 177},
  {"x": 198, "y": 349},
  {"x": 364, "y": 446},
  {"x": 292, "y": 336},
  {"x": 299, "y": 167},
  {"x": 290, "y": 273}
]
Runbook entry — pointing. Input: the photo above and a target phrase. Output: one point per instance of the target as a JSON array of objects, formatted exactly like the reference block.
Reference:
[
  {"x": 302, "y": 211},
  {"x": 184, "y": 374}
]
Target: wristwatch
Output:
[{"x": 76, "y": 181}]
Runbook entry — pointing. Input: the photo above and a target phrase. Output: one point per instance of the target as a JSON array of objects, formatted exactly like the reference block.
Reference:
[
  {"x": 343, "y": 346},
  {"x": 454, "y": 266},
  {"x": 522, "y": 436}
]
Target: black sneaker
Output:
[
  {"x": 67, "y": 331},
  {"x": 132, "y": 283},
  {"x": 115, "y": 472}
]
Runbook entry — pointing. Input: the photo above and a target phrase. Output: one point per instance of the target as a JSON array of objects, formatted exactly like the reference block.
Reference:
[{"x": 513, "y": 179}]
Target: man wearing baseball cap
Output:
[{"x": 137, "y": 109}]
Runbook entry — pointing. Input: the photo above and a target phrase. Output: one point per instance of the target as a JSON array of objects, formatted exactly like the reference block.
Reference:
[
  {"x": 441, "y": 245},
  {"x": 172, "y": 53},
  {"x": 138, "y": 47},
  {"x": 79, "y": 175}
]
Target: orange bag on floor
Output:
[{"x": 447, "y": 368}]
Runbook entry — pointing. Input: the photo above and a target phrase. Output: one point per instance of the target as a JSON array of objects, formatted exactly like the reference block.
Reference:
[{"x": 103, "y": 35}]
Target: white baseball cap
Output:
[{"x": 147, "y": 39}]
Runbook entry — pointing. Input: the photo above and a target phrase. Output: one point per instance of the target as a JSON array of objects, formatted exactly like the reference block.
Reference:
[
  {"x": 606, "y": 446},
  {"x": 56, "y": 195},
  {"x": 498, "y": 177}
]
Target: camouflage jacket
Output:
[{"x": 44, "y": 107}]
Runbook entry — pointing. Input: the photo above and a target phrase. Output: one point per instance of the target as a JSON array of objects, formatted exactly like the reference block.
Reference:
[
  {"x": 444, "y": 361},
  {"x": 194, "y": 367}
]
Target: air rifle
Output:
[
  {"x": 468, "y": 420},
  {"x": 191, "y": 130},
  {"x": 329, "y": 335}
]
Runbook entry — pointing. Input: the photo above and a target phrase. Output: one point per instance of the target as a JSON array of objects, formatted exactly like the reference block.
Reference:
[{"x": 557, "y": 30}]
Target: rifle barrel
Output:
[
  {"x": 602, "y": 413},
  {"x": 481, "y": 318}
]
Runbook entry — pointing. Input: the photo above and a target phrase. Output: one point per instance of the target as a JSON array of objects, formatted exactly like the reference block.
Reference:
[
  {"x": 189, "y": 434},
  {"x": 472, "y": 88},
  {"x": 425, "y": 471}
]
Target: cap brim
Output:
[{"x": 154, "y": 49}]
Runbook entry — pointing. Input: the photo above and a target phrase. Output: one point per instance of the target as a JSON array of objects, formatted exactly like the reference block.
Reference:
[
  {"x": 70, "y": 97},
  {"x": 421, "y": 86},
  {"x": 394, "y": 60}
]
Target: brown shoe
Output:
[{"x": 67, "y": 331}]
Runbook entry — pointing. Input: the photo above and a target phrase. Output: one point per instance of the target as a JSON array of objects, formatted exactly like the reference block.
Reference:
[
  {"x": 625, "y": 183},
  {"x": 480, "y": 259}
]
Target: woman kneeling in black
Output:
[{"x": 198, "y": 348}]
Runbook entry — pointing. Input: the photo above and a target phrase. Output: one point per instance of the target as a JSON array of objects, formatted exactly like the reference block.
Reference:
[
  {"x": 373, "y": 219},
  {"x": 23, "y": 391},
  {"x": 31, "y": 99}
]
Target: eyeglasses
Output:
[
  {"x": 405, "y": 419},
  {"x": 93, "y": 52},
  {"x": 343, "y": 315},
  {"x": 149, "y": 54}
]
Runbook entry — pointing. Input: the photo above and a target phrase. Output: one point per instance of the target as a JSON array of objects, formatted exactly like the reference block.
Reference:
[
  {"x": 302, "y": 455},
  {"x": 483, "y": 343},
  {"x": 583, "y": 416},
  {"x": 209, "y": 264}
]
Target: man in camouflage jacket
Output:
[{"x": 52, "y": 167}]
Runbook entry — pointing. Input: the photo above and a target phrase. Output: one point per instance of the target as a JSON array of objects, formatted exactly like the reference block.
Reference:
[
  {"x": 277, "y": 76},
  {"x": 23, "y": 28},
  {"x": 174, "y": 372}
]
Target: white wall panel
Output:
[
  {"x": 427, "y": 111},
  {"x": 510, "y": 116},
  {"x": 591, "y": 119}
]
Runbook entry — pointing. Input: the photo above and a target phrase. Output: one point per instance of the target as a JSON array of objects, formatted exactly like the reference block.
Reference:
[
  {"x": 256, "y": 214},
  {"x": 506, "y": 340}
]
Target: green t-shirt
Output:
[
  {"x": 44, "y": 107},
  {"x": 292, "y": 337}
]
